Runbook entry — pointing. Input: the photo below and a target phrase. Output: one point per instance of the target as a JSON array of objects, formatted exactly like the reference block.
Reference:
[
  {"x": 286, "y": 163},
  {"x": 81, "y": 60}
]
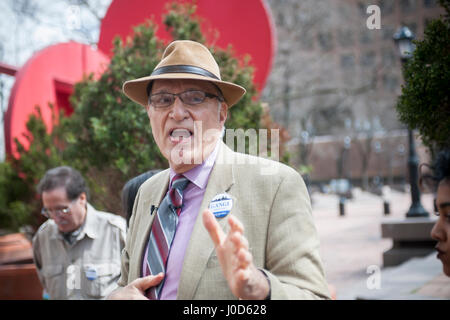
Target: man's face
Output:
[
  {"x": 441, "y": 230},
  {"x": 186, "y": 134},
  {"x": 55, "y": 200}
]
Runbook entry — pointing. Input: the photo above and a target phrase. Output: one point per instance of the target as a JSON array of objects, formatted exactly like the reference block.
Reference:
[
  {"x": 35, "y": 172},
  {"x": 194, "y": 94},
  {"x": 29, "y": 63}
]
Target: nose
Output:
[
  {"x": 178, "y": 111},
  {"x": 437, "y": 232},
  {"x": 57, "y": 218}
]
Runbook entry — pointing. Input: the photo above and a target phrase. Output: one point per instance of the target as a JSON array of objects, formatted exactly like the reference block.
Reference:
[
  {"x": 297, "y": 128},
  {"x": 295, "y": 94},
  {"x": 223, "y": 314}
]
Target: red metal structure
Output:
[
  {"x": 245, "y": 24},
  {"x": 48, "y": 77}
]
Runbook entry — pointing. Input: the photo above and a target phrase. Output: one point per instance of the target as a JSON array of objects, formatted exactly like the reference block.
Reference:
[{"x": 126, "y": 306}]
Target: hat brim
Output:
[{"x": 136, "y": 89}]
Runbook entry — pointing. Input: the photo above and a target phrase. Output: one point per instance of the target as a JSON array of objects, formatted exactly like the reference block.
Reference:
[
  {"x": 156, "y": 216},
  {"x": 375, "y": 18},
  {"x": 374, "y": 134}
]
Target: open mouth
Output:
[
  {"x": 180, "y": 135},
  {"x": 440, "y": 252}
]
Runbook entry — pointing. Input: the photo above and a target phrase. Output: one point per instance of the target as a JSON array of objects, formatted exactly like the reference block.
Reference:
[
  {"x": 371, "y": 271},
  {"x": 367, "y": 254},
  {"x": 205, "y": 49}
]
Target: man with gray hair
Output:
[{"x": 77, "y": 250}]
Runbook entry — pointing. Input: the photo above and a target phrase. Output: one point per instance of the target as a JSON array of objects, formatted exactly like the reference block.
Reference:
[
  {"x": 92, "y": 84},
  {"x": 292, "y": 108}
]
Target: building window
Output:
[
  {"x": 306, "y": 40},
  {"x": 413, "y": 27},
  {"x": 429, "y": 3},
  {"x": 325, "y": 41},
  {"x": 366, "y": 36},
  {"x": 345, "y": 38},
  {"x": 368, "y": 59},
  {"x": 347, "y": 61},
  {"x": 388, "y": 57},
  {"x": 390, "y": 82},
  {"x": 408, "y": 5},
  {"x": 362, "y": 6},
  {"x": 386, "y": 6},
  {"x": 388, "y": 32}
]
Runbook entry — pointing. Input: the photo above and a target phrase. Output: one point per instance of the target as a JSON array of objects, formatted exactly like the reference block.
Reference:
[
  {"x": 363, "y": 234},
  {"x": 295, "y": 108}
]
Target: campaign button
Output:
[
  {"x": 91, "y": 274},
  {"x": 221, "y": 205}
]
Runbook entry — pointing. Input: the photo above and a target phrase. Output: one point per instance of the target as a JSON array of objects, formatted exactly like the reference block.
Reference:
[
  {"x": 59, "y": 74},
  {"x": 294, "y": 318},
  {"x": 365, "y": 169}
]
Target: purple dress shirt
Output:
[{"x": 192, "y": 199}]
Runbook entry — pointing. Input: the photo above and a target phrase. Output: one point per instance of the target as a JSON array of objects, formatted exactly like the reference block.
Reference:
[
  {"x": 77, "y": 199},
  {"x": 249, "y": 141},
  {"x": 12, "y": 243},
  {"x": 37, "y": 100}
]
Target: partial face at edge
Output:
[{"x": 441, "y": 230}]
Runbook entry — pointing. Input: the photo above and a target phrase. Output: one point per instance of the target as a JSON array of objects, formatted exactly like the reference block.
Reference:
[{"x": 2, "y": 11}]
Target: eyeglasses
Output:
[
  {"x": 52, "y": 213},
  {"x": 190, "y": 97}
]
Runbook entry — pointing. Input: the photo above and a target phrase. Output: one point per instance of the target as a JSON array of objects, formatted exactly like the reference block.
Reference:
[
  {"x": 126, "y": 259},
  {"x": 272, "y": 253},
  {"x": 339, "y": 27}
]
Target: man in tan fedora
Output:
[{"x": 213, "y": 226}]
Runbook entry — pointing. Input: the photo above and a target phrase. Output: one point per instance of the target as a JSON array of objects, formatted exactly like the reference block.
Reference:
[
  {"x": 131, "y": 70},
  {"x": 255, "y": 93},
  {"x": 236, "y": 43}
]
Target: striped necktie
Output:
[{"x": 163, "y": 231}]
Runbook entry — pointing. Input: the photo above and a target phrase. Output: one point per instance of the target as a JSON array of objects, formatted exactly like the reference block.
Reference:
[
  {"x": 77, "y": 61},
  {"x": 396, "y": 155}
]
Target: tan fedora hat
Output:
[{"x": 184, "y": 59}]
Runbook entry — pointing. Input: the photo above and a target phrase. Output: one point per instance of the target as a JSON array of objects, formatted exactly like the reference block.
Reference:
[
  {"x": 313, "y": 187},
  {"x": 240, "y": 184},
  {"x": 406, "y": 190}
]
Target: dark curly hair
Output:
[
  {"x": 440, "y": 171},
  {"x": 441, "y": 166},
  {"x": 130, "y": 190}
]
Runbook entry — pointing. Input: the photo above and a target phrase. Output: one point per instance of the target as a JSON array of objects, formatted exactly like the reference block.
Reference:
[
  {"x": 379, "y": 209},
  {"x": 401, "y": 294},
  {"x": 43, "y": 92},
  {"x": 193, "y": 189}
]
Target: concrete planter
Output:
[{"x": 18, "y": 277}]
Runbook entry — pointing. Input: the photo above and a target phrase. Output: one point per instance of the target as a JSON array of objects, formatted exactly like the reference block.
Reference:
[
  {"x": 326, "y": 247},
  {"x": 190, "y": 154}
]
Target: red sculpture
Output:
[{"x": 48, "y": 77}]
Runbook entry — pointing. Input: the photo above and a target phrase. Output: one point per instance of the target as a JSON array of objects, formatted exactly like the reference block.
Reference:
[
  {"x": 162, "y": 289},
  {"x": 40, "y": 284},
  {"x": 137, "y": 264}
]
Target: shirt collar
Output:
[
  {"x": 88, "y": 228},
  {"x": 199, "y": 175}
]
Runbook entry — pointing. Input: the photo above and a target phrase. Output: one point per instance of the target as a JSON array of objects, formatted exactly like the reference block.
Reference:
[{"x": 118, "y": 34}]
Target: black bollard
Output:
[
  {"x": 342, "y": 206},
  {"x": 387, "y": 207}
]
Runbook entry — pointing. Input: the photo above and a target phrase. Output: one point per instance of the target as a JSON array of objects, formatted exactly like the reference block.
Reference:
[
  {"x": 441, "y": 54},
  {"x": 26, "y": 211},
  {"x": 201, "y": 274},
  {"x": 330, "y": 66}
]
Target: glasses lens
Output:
[
  {"x": 52, "y": 213},
  {"x": 193, "y": 97},
  {"x": 160, "y": 100}
]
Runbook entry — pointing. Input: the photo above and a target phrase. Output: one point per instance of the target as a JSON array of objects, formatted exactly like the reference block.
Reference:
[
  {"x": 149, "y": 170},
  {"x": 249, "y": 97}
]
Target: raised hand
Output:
[{"x": 244, "y": 279}]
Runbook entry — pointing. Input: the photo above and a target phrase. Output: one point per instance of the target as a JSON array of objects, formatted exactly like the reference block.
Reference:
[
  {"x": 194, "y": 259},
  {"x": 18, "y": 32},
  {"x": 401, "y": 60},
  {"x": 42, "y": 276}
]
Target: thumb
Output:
[{"x": 142, "y": 284}]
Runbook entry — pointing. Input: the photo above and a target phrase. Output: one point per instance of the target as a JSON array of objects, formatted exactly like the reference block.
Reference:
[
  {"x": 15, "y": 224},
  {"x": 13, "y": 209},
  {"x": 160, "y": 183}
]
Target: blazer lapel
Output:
[
  {"x": 151, "y": 194},
  {"x": 200, "y": 244}
]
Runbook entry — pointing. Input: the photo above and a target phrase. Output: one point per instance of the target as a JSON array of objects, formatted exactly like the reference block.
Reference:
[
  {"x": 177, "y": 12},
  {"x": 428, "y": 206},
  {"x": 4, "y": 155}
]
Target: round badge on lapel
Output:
[
  {"x": 91, "y": 274},
  {"x": 221, "y": 205}
]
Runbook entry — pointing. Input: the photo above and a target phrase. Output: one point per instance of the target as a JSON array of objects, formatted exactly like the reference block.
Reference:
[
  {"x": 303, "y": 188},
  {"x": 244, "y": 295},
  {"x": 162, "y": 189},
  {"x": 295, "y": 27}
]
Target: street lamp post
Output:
[{"x": 403, "y": 38}]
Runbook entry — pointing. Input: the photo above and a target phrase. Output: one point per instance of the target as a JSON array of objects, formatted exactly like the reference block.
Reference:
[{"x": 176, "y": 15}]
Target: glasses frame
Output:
[
  {"x": 179, "y": 95},
  {"x": 49, "y": 214}
]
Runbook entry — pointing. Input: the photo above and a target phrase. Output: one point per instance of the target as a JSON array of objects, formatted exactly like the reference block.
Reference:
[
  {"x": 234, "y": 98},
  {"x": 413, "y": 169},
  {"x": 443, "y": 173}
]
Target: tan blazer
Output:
[{"x": 272, "y": 202}]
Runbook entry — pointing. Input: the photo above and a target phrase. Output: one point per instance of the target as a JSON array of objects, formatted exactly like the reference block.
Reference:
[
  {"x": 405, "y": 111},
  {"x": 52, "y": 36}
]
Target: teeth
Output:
[{"x": 181, "y": 133}]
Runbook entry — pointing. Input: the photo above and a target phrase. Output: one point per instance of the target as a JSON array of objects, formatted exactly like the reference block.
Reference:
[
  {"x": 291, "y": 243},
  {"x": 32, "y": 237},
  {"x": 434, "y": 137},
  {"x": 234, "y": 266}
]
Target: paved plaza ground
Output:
[{"x": 352, "y": 243}]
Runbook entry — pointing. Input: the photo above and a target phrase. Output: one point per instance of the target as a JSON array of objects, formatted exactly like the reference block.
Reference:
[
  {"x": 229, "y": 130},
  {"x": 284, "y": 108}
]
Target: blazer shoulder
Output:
[
  {"x": 266, "y": 168},
  {"x": 155, "y": 181}
]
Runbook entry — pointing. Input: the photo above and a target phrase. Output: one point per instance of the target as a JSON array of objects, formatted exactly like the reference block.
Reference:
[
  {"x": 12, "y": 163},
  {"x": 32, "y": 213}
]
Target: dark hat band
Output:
[{"x": 184, "y": 69}]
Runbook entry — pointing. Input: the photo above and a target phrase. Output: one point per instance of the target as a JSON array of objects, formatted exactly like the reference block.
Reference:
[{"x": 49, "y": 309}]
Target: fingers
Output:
[
  {"x": 239, "y": 240},
  {"x": 144, "y": 283},
  {"x": 235, "y": 224},
  {"x": 215, "y": 231},
  {"x": 244, "y": 258}
]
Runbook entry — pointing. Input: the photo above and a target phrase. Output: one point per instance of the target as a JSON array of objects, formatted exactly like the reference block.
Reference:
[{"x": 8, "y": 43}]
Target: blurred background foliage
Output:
[
  {"x": 108, "y": 137},
  {"x": 425, "y": 100}
]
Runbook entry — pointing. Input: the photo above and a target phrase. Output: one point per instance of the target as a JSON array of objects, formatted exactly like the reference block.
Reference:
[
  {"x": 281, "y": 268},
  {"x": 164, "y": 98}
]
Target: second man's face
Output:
[
  {"x": 186, "y": 134},
  {"x": 55, "y": 200}
]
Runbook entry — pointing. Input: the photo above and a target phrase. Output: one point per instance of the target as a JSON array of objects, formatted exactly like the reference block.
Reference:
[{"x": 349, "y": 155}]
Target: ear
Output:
[
  {"x": 223, "y": 113},
  {"x": 83, "y": 197}
]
